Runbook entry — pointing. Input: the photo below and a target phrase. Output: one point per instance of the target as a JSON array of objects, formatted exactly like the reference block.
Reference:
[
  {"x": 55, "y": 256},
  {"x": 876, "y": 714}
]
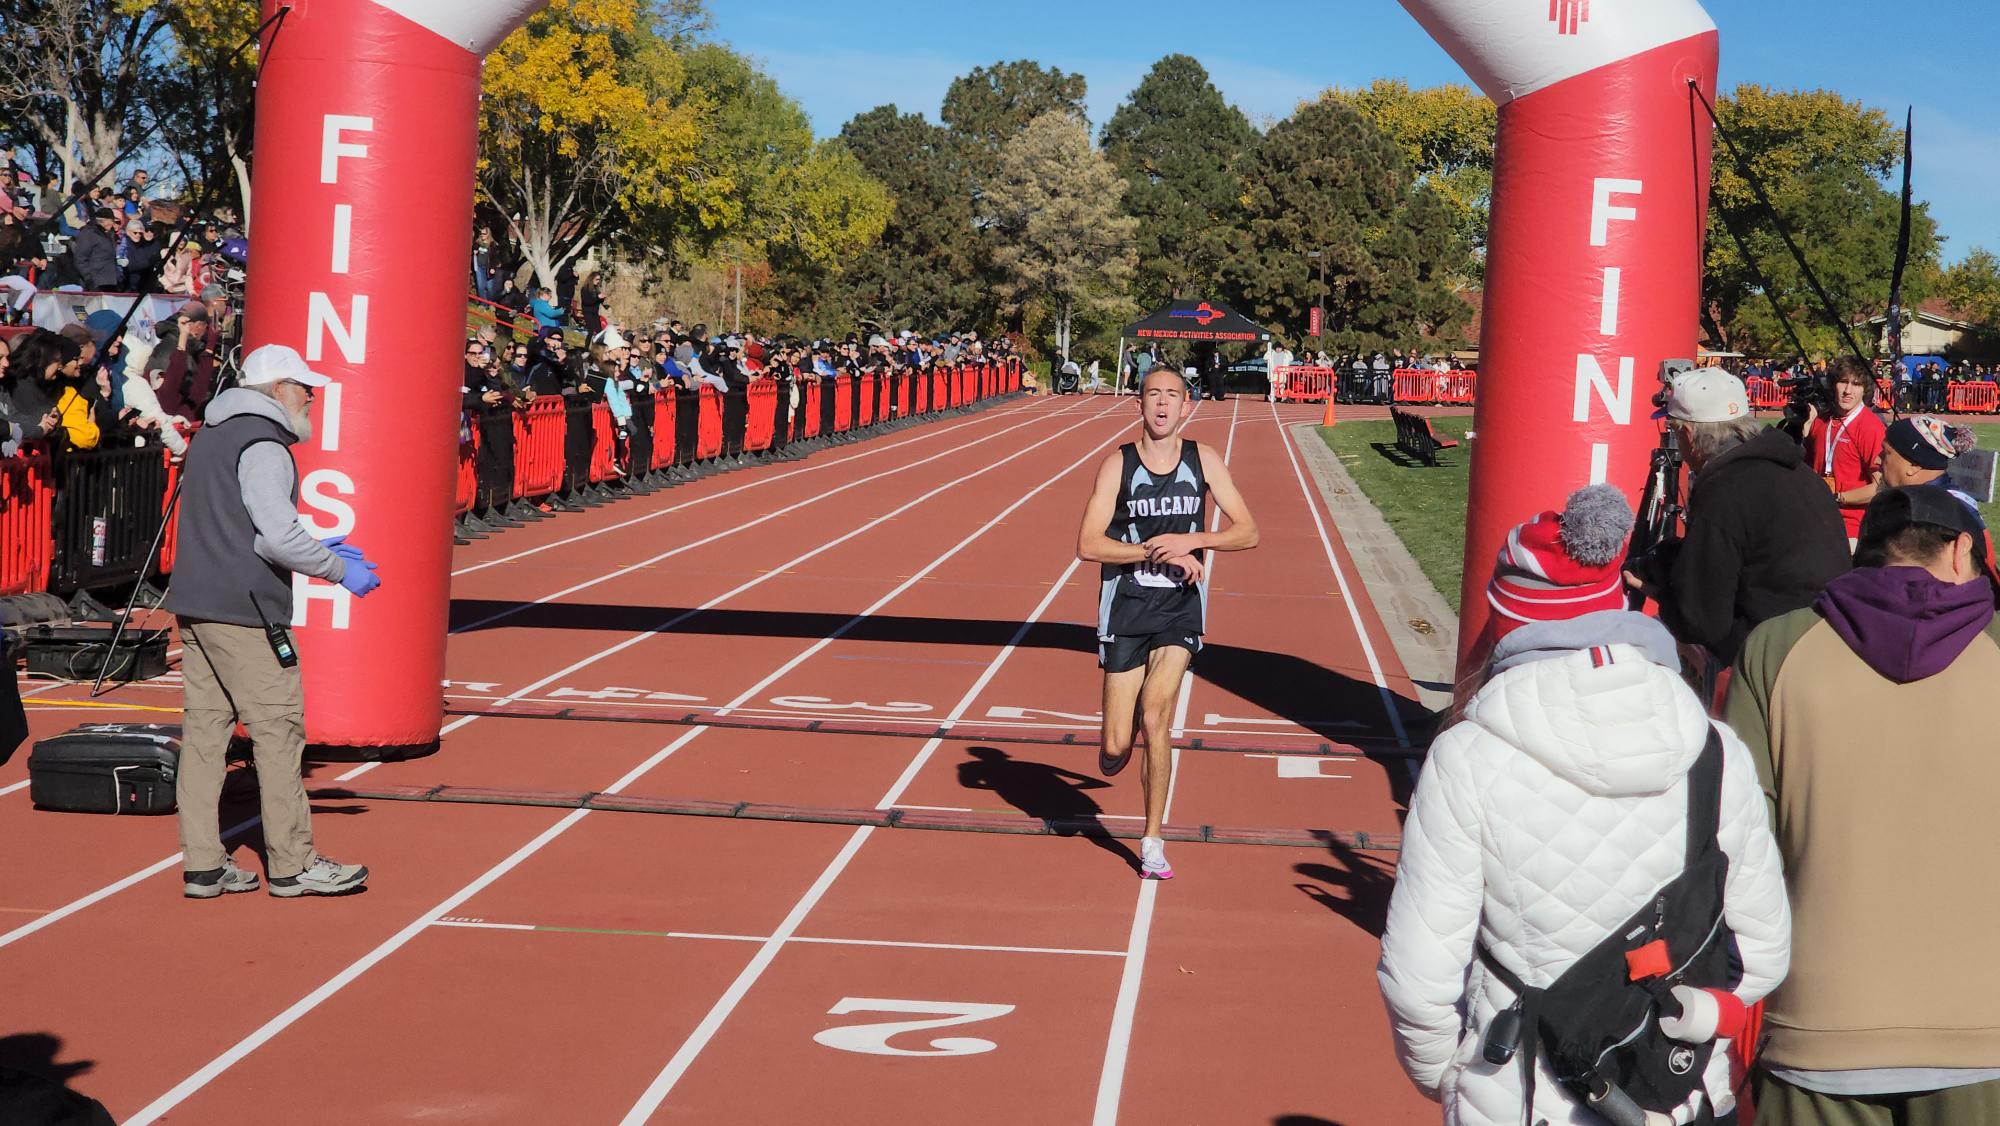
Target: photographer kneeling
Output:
[{"x": 1764, "y": 535}]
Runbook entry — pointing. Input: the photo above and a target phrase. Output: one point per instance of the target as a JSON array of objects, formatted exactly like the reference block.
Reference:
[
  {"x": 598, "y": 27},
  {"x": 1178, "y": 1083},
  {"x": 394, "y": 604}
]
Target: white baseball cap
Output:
[
  {"x": 276, "y": 363},
  {"x": 1707, "y": 395}
]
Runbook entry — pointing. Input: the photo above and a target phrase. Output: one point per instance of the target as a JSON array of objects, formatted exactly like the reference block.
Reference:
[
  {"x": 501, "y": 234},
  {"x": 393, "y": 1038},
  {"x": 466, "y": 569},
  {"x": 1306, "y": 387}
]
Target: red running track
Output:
[{"x": 521, "y": 963}]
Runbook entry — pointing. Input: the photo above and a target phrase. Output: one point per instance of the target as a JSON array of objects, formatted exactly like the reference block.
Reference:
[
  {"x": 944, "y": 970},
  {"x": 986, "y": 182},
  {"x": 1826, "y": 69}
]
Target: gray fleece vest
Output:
[{"x": 218, "y": 575}]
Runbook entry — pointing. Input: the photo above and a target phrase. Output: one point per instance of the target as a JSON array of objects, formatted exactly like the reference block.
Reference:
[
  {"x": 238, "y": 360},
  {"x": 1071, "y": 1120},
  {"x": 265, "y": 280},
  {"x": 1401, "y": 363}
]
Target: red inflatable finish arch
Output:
[
  {"x": 366, "y": 139},
  {"x": 1593, "y": 266}
]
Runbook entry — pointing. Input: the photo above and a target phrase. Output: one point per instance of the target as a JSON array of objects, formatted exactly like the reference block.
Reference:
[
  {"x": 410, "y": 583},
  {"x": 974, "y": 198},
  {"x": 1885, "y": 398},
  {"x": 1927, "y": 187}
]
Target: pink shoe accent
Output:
[{"x": 1159, "y": 874}]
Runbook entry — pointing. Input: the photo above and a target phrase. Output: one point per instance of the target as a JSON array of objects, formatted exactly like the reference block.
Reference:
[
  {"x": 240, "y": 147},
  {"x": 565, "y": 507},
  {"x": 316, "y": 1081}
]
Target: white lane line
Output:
[
  {"x": 108, "y": 890},
  {"x": 1110, "y": 1084},
  {"x": 656, "y": 1092},
  {"x": 975, "y": 947},
  {"x": 152, "y": 1111},
  {"x": 21, "y": 785},
  {"x": 1118, "y": 1046},
  {"x": 924, "y": 434},
  {"x": 663, "y": 1084},
  {"x": 934, "y": 808},
  {"x": 679, "y": 549},
  {"x": 229, "y": 1058},
  {"x": 742, "y": 588},
  {"x": 461, "y": 722},
  {"x": 1340, "y": 577},
  {"x": 795, "y": 940}
]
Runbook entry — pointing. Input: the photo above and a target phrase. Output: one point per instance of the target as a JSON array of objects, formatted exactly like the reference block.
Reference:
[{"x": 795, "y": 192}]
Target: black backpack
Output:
[{"x": 1599, "y": 1021}]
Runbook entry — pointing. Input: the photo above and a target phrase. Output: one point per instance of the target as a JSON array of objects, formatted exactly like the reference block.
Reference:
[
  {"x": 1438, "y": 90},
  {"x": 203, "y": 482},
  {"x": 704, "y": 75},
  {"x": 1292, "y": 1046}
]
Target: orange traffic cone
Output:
[{"x": 1328, "y": 420}]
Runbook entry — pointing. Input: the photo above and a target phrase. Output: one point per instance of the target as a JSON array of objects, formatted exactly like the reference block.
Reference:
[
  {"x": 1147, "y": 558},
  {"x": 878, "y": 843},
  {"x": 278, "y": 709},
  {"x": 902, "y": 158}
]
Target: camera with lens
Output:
[{"x": 1804, "y": 393}]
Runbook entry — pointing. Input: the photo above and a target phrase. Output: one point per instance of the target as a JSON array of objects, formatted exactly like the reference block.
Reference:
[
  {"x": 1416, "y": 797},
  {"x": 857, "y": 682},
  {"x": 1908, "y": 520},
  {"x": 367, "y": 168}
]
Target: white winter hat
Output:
[
  {"x": 1707, "y": 395},
  {"x": 610, "y": 338}
]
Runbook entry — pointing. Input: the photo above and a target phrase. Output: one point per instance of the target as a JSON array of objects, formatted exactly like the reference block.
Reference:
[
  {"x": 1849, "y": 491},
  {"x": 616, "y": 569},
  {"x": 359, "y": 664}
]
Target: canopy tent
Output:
[{"x": 1190, "y": 321}]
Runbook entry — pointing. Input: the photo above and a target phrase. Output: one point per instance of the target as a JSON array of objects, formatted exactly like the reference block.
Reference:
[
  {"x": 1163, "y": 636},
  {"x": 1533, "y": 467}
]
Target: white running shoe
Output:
[
  {"x": 1153, "y": 859},
  {"x": 216, "y": 882},
  {"x": 322, "y": 877}
]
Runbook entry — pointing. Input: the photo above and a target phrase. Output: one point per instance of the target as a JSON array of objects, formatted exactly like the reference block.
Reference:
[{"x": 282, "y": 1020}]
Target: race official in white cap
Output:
[{"x": 240, "y": 541}]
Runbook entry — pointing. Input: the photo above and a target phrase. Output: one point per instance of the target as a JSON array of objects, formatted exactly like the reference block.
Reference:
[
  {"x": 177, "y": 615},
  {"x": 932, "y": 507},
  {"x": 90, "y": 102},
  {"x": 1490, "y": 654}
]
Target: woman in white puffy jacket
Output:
[{"x": 1548, "y": 816}]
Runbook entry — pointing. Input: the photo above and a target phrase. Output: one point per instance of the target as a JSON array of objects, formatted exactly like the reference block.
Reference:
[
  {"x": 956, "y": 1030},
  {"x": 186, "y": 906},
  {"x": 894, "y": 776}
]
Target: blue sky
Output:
[{"x": 1268, "y": 55}]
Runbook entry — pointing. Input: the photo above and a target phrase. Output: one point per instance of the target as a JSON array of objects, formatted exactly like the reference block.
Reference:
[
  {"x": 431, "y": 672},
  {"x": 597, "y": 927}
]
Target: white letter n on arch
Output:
[{"x": 1617, "y": 400}]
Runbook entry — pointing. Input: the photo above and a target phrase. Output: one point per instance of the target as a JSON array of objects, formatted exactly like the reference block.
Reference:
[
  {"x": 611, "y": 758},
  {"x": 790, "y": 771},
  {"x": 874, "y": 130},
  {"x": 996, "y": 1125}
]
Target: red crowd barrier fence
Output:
[
  {"x": 26, "y": 509},
  {"x": 603, "y": 445},
  {"x": 871, "y": 386},
  {"x": 1972, "y": 398},
  {"x": 708, "y": 425},
  {"x": 538, "y": 448},
  {"x": 1299, "y": 383},
  {"x": 815, "y": 391},
  {"x": 843, "y": 404},
  {"x": 760, "y": 428},
  {"x": 170, "y": 539},
  {"x": 1453, "y": 388},
  {"x": 466, "y": 485}
]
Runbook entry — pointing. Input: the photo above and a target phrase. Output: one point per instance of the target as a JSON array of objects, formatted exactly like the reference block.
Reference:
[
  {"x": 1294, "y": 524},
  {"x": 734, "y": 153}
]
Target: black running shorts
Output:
[{"x": 1125, "y": 653}]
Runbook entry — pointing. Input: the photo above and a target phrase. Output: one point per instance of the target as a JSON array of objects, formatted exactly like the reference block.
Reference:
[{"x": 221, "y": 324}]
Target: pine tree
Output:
[
  {"x": 1326, "y": 179},
  {"x": 1177, "y": 143}
]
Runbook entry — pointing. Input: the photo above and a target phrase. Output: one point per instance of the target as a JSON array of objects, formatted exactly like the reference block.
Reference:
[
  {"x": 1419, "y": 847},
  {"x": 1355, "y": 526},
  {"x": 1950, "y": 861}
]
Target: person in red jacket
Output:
[{"x": 1846, "y": 451}]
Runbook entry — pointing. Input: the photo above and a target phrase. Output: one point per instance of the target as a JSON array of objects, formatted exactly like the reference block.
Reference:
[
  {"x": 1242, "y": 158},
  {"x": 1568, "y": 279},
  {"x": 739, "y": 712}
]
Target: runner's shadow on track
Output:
[
  {"x": 1366, "y": 880},
  {"x": 1329, "y": 703},
  {"x": 1049, "y": 792},
  {"x": 34, "y": 1088}
]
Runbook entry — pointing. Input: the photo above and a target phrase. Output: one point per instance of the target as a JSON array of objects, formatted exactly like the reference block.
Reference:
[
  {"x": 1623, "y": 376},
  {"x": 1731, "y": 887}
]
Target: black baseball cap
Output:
[{"x": 1892, "y": 510}]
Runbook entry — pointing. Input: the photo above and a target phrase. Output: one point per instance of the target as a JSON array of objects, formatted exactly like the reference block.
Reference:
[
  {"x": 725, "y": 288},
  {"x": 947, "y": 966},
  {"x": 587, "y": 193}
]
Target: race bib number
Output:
[{"x": 1160, "y": 576}]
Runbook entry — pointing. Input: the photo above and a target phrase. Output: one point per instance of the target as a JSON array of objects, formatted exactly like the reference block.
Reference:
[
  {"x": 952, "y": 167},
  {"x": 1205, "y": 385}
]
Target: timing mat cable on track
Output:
[{"x": 970, "y": 822}]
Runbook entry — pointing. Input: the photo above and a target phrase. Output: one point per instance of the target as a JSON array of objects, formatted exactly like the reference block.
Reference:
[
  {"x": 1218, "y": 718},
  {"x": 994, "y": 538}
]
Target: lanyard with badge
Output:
[{"x": 1833, "y": 443}]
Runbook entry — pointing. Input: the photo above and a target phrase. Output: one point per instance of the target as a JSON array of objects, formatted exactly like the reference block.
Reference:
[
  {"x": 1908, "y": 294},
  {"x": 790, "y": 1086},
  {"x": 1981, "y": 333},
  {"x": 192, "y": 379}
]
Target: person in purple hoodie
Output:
[{"x": 1869, "y": 715}]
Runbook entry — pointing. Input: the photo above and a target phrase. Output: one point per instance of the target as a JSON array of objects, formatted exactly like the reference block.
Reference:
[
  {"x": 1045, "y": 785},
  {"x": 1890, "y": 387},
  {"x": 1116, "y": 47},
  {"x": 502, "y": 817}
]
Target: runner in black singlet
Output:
[{"x": 1145, "y": 524}]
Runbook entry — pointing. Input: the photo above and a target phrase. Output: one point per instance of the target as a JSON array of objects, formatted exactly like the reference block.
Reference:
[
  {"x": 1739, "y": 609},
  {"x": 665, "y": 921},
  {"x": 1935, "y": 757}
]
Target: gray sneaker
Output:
[
  {"x": 217, "y": 881},
  {"x": 322, "y": 877}
]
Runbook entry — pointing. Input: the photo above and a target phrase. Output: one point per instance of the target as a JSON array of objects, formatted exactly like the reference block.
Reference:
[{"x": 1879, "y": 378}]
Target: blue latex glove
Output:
[
  {"x": 360, "y": 576},
  {"x": 339, "y": 546}
]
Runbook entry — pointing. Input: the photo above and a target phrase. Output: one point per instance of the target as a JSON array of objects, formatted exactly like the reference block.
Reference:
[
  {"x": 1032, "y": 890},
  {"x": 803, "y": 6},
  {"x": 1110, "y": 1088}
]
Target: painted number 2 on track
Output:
[{"x": 873, "y": 1039}]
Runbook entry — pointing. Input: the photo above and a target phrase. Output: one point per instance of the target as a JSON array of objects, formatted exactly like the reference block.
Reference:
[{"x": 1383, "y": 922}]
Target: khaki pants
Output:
[
  {"x": 232, "y": 676},
  {"x": 1781, "y": 1104}
]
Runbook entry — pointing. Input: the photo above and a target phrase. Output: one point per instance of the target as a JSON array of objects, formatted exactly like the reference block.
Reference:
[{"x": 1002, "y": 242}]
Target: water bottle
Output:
[{"x": 98, "y": 526}]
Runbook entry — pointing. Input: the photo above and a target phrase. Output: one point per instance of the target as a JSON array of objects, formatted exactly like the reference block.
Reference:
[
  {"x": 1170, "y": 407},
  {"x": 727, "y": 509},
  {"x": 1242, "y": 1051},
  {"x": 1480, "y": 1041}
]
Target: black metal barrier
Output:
[
  {"x": 577, "y": 442},
  {"x": 687, "y": 426},
  {"x": 108, "y": 508},
  {"x": 493, "y": 465},
  {"x": 639, "y": 457},
  {"x": 735, "y": 420}
]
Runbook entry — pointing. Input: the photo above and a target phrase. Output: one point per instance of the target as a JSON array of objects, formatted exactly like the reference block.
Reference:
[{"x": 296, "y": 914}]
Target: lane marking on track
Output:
[
  {"x": 108, "y": 890},
  {"x": 291, "y": 1015},
  {"x": 21, "y": 785},
  {"x": 809, "y": 502},
  {"x": 676, "y": 1067},
  {"x": 795, "y": 940},
  {"x": 1340, "y": 576},
  {"x": 924, "y": 434},
  {"x": 164, "y": 864},
  {"x": 1118, "y": 1044}
]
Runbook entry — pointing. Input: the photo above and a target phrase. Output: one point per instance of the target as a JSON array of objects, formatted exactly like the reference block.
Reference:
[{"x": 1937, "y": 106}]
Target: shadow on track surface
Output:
[
  {"x": 1367, "y": 880},
  {"x": 1312, "y": 696},
  {"x": 1049, "y": 792},
  {"x": 34, "y": 1088}
]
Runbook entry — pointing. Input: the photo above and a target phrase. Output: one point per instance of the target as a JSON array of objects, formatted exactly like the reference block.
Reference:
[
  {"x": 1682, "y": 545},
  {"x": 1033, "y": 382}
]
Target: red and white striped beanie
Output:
[{"x": 1563, "y": 564}]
